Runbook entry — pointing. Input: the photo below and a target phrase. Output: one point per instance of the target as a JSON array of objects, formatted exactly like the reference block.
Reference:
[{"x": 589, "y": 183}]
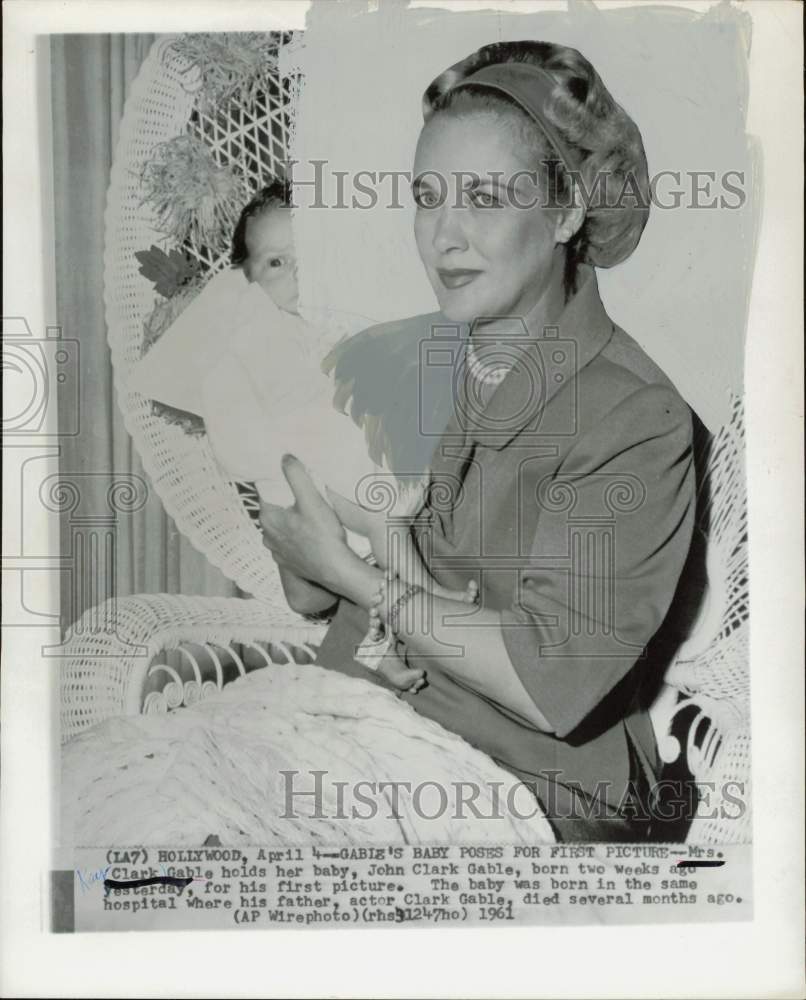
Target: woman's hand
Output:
[
  {"x": 429, "y": 625},
  {"x": 350, "y": 515},
  {"x": 390, "y": 589},
  {"x": 300, "y": 537},
  {"x": 309, "y": 541}
]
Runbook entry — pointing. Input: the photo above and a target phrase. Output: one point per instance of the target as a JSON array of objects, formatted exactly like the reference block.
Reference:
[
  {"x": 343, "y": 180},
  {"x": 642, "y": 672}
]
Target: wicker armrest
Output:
[{"x": 110, "y": 652}]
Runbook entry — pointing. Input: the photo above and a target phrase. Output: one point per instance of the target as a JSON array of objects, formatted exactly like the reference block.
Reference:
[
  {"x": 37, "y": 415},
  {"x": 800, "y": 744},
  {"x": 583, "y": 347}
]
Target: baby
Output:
[{"x": 261, "y": 392}]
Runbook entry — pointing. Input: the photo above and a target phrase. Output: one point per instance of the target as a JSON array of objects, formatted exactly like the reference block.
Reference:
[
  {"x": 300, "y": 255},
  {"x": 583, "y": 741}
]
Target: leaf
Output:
[
  {"x": 168, "y": 272},
  {"x": 191, "y": 423}
]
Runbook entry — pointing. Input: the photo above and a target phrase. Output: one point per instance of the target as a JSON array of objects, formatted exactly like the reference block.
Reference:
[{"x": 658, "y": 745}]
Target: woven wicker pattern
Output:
[
  {"x": 162, "y": 104},
  {"x": 712, "y": 661},
  {"x": 106, "y": 668},
  {"x": 712, "y": 667},
  {"x": 255, "y": 138},
  {"x": 216, "y": 768}
]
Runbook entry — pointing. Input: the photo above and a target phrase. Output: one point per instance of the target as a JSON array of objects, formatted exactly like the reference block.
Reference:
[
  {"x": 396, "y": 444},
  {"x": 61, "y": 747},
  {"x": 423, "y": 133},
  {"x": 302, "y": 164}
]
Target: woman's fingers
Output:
[
  {"x": 406, "y": 677},
  {"x": 376, "y": 629},
  {"x": 308, "y": 497},
  {"x": 309, "y": 502},
  {"x": 418, "y": 684},
  {"x": 274, "y": 521},
  {"x": 286, "y": 535},
  {"x": 350, "y": 514}
]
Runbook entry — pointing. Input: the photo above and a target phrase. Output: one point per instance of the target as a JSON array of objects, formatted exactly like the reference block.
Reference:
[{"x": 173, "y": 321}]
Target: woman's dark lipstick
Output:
[{"x": 456, "y": 277}]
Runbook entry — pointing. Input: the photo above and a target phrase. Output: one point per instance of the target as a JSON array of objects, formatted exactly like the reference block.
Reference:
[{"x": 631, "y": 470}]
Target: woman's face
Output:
[
  {"x": 272, "y": 260},
  {"x": 484, "y": 255}
]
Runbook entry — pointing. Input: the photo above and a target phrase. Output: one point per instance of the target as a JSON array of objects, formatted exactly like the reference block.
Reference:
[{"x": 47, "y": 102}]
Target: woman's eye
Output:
[
  {"x": 276, "y": 262},
  {"x": 426, "y": 199},
  {"x": 484, "y": 199}
]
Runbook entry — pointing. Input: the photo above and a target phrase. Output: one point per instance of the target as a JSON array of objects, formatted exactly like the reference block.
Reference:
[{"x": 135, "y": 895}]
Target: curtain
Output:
[{"x": 90, "y": 79}]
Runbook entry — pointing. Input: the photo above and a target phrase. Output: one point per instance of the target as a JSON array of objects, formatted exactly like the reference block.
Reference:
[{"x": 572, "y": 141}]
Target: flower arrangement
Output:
[
  {"x": 233, "y": 66},
  {"x": 193, "y": 197}
]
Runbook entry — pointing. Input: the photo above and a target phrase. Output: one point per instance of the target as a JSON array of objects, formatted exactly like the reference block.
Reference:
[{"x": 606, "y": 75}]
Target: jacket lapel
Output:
[{"x": 545, "y": 360}]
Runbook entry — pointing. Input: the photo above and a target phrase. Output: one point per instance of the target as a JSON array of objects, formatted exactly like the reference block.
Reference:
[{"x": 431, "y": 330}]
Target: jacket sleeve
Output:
[{"x": 613, "y": 531}]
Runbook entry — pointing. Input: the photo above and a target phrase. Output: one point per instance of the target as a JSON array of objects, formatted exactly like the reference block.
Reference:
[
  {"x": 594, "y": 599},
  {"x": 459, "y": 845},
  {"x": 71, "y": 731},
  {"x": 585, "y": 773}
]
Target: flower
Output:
[{"x": 194, "y": 198}]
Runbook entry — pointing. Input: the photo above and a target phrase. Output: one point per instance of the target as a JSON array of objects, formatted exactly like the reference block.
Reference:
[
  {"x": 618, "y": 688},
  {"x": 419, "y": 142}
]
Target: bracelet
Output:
[
  {"x": 321, "y": 617},
  {"x": 394, "y": 613},
  {"x": 371, "y": 651}
]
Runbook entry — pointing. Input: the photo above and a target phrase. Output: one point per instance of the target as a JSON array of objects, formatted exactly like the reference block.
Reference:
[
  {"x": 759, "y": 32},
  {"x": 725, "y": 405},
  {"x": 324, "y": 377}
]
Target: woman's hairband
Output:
[{"x": 530, "y": 87}]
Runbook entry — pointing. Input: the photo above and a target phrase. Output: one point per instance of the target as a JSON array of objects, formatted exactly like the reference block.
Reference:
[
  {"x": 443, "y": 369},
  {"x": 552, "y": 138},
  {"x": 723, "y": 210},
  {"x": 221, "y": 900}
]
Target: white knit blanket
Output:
[{"x": 216, "y": 769}]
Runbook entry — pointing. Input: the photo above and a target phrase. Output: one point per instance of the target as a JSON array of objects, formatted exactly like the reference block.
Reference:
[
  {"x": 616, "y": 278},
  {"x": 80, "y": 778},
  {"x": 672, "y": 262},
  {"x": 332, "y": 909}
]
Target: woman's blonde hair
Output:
[{"x": 606, "y": 144}]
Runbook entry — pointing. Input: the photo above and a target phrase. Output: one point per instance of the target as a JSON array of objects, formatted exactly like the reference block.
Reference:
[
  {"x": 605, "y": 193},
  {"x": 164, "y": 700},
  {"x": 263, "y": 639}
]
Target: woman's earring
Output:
[{"x": 571, "y": 224}]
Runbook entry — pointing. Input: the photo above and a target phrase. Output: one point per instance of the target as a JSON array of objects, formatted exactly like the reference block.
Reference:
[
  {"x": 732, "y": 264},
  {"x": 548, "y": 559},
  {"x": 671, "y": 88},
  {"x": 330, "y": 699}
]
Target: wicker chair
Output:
[
  {"x": 164, "y": 102},
  {"x": 156, "y": 653},
  {"x": 707, "y": 685}
]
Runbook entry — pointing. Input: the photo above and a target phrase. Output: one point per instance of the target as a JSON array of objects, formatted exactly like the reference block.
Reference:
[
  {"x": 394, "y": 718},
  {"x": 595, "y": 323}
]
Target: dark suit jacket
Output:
[{"x": 569, "y": 494}]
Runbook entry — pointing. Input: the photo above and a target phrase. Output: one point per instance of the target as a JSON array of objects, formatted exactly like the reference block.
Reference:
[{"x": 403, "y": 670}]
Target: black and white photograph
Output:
[{"x": 403, "y": 485}]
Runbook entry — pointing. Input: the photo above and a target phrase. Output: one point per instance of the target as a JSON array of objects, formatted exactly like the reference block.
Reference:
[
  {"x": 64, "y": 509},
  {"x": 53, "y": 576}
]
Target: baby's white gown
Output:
[{"x": 252, "y": 371}]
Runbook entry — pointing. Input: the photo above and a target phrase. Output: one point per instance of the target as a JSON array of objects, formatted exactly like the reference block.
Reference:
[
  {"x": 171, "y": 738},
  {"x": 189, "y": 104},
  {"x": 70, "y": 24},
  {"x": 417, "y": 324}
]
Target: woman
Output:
[{"x": 563, "y": 481}]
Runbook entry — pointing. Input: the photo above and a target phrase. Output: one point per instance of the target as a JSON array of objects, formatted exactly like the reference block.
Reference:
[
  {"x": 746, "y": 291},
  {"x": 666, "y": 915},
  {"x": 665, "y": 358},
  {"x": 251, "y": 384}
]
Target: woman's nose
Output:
[{"x": 448, "y": 231}]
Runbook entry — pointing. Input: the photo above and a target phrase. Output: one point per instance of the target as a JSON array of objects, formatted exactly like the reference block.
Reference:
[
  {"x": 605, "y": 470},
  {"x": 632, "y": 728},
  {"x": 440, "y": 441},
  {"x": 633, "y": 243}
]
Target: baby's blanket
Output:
[
  {"x": 218, "y": 768},
  {"x": 253, "y": 373}
]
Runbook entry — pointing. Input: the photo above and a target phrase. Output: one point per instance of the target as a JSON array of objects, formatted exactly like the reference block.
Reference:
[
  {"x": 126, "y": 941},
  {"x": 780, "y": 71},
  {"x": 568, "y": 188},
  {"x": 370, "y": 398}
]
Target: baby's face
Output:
[{"x": 272, "y": 260}]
